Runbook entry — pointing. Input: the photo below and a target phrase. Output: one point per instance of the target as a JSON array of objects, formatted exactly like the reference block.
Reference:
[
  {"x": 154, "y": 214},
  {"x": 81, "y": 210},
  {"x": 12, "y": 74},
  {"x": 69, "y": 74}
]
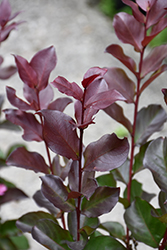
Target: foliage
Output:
[{"x": 74, "y": 197}]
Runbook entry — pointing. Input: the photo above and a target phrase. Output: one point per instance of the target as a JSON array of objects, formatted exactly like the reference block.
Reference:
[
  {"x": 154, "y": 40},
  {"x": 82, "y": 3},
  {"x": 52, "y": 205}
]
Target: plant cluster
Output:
[{"x": 71, "y": 191}]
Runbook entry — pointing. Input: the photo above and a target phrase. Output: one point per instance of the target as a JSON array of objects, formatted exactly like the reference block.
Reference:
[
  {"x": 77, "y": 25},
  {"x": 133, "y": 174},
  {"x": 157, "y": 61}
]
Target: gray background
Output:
[{"x": 80, "y": 35}]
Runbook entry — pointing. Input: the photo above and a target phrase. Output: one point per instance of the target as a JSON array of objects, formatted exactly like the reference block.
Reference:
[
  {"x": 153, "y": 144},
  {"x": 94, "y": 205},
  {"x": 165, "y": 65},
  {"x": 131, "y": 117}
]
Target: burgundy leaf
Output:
[
  {"x": 26, "y": 72},
  {"x": 136, "y": 12},
  {"x": 56, "y": 192},
  {"x": 145, "y": 4},
  {"x": 31, "y": 96},
  {"x": 129, "y": 30},
  {"x": 156, "y": 29},
  {"x": 154, "y": 59},
  {"x": 102, "y": 201},
  {"x": 89, "y": 184},
  {"x": 117, "y": 79},
  {"x": 157, "y": 11},
  {"x": 118, "y": 53},
  {"x": 60, "y": 134},
  {"x": 70, "y": 89},
  {"x": 61, "y": 171},
  {"x": 107, "y": 153},
  {"x": 22, "y": 158},
  {"x": 104, "y": 99},
  {"x": 32, "y": 128},
  {"x": 45, "y": 97},
  {"x": 12, "y": 194},
  {"x": 5, "y": 12},
  {"x": 92, "y": 74},
  {"x": 7, "y": 72},
  {"x": 43, "y": 63},
  {"x": 4, "y": 33},
  {"x": 73, "y": 176},
  {"x": 116, "y": 112},
  {"x": 15, "y": 101},
  {"x": 60, "y": 104},
  {"x": 153, "y": 77}
]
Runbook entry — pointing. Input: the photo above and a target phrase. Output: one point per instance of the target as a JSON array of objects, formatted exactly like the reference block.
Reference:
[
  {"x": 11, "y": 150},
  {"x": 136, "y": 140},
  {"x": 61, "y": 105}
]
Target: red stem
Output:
[
  {"x": 164, "y": 242},
  {"x": 78, "y": 211}
]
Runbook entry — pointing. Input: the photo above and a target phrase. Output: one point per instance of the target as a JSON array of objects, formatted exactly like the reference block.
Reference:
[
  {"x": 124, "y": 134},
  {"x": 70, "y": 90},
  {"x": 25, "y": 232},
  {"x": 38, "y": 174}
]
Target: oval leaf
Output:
[
  {"x": 102, "y": 201},
  {"x": 142, "y": 224},
  {"x": 149, "y": 120},
  {"x": 107, "y": 153},
  {"x": 59, "y": 133},
  {"x": 55, "y": 191},
  {"x": 22, "y": 158}
]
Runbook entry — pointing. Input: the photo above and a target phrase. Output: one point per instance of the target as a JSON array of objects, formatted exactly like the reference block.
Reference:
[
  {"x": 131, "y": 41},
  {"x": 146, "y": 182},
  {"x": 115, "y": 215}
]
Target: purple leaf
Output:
[
  {"x": 7, "y": 72},
  {"x": 104, "y": 99},
  {"x": 7, "y": 29},
  {"x": 136, "y": 12},
  {"x": 116, "y": 112},
  {"x": 73, "y": 176},
  {"x": 45, "y": 97},
  {"x": 92, "y": 74},
  {"x": 12, "y": 194},
  {"x": 154, "y": 60},
  {"x": 43, "y": 63},
  {"x": 118, "y": 53},
  {"x": 61, "y": 171},
  {"x": 30, "y": 95},
  {"x": 55, "y": 191},
  {"x": 15, "y": 101},
  {"x": 32, "y": 128},
  {"x": 102, "y": 201},
  {"x": 149, "y": 120},
  {"x": 26, "y": 72},
  {"x": 153, "y": 77},
  {"x": 5, "y": 12},
  {"x": 156, "y": 29},
  {"x": 43, "y": 202},
  {"x": 65, "y": 87},
  {"x": 89, "y": 184},
  {"x": 117, "y": 79},
  {"x": 129, "y": 30},
  {"x": 60, "y": 104},
  {"x": 107, "y": 153},
  {"x": 22, "y": 158},
  {"x": 145, "y": 4},
  {"x": 157, "y": 11},
  {"x": 60, "y": 134}
]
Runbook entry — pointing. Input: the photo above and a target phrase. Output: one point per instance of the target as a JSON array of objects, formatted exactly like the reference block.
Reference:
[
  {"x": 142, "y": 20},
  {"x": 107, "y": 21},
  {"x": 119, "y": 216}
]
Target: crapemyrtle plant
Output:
[{"x": 71, "y": 191}]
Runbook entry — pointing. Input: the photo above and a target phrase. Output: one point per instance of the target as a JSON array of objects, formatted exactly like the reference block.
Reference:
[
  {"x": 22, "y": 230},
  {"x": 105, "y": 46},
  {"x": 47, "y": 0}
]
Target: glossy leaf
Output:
[
  {"x": 149, "y": 120},
  {"x": 153, "y": 77},
  {"x": 102, "y": 155},
  {"x": 41, "y": 201},
  {"x": 99, "y": 242},
  {"x": 117, "y": 79},
  {"x": 56, "y": 192},
  {"x": 60, "y": 134},
  {"x": 135, "y": 9},
  {"x": 104, "y": 99},
  {"x": 26, "y": 222},
  {"x": 26, "y": 72},
  {"x": 155, "y": 160},
  {"x": 157, "y": 11},
  {"x": 43, "y": 63},
  {"x": 32, "y": 128},
  {"x": 92, "y": 74},
  {"x": 51, "y": 235},
  {"x": 142, "y": 224},
  {"x": 60, "y": 104},
  {"x": 117, "y": 51},
  {"x": 154, "y": 60},
  {"x": 65, "y": 87},
  {"x": 115, "y": 111},
  {"x": 89, "y": 184},
  {"x": 114, "y": 228},
  {"x": 102, "y": 201},
  {"x": 61, "y": 171},
  {"x": 22, "y": 158},
  {"x": 129, "y": 30}
]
